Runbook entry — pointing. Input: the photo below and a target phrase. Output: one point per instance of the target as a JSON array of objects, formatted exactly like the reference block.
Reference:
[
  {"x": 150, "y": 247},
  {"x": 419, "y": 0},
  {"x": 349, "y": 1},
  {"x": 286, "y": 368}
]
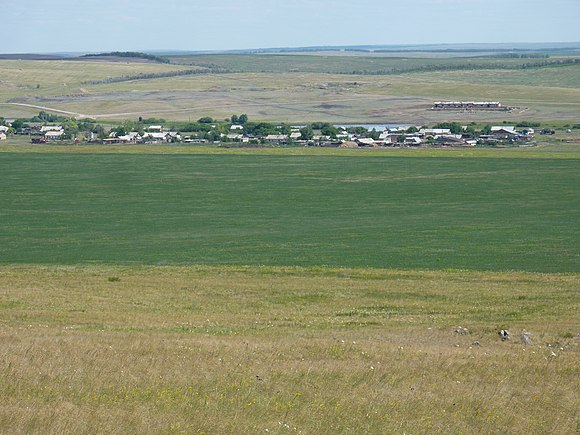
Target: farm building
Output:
[
  {"x": 467, "y": 105},
  {"x": 2, "y": 135}
]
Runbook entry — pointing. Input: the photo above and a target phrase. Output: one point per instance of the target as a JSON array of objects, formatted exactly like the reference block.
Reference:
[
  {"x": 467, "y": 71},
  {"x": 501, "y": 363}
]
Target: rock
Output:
[
  {"x": 504, "y": 334},
  {"x": 476, "y": 343},
  {"x": 462, "y": 331},
  {"x": 525, "y": 338}
]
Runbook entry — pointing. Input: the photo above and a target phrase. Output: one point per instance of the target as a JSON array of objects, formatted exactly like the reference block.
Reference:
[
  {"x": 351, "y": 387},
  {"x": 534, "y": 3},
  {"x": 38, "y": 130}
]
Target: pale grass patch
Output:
[{"x": 285, "y": 350}]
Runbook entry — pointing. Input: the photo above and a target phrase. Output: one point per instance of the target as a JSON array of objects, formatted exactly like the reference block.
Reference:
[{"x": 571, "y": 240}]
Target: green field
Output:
[{"x": 386, "y": 212}]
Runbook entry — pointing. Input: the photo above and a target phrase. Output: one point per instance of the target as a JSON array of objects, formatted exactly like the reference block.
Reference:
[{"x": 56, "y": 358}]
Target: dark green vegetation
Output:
[
  {"x": 337, "y": 64},
  {"x": 130, "y": 55},
  {"x": 393, "y": 212}
]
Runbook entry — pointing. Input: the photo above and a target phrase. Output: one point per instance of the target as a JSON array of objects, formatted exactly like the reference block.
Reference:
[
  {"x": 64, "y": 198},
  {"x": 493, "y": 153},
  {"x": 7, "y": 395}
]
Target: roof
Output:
[
  {"x": 276, "y": 137},
  {"x": 54, "y": 133},
  {"x": 45, "y": 128},
  {"x": 510, "y": 129}
]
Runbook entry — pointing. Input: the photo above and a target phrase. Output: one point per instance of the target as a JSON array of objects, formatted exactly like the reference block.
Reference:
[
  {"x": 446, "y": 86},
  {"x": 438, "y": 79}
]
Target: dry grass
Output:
[
  {"x": 285, "y": 350},
  {"x": 296, "y": 97}
]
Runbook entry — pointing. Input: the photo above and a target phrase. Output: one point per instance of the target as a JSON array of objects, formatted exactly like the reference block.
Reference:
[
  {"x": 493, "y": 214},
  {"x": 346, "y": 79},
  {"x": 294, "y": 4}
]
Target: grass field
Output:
[
  {"x": 386, "y": 212},
  {"x": 285, "y": 350},
  {"x": 297, "y": 92}
]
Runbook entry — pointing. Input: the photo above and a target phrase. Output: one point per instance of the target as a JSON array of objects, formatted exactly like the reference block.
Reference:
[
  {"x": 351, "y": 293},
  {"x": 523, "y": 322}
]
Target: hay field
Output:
[
  {"x": 549, "y": 93},
  {"x": 231, "y": 350}
]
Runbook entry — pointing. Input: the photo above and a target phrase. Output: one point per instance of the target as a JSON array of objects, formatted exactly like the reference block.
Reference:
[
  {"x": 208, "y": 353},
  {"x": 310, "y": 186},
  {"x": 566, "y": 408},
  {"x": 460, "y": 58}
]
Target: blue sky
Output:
[{"x": 43, "y": 26}]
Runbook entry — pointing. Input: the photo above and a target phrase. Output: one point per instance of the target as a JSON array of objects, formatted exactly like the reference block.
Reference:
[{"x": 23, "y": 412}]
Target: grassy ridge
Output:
[
  {"x": 470, "y": 213},
  {"x": 549, "y": 93},
  {"x": 285, "y": 350}
]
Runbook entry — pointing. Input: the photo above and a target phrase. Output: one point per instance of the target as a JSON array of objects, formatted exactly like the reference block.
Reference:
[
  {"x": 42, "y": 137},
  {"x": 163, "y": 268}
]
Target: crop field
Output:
[
  {"x": 386, "y": 212},
  {"x": 288, "y": 88}
]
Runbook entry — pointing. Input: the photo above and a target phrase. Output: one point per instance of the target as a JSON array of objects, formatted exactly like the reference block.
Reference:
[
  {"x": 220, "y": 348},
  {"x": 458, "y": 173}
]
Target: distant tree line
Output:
[
  {"x": 461, "y": 67},
  {"x": 133, "y": 54},
  {"x": 149, "y": 76}
]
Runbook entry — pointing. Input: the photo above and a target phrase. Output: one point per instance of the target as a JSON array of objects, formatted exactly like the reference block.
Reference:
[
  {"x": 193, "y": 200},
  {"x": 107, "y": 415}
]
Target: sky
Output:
[{"x": 41, "y": 26}]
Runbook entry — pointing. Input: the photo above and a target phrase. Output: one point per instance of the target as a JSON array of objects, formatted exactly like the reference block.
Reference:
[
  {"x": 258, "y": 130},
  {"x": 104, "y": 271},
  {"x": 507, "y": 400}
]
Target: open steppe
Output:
[{"x": 292, "y": 89}]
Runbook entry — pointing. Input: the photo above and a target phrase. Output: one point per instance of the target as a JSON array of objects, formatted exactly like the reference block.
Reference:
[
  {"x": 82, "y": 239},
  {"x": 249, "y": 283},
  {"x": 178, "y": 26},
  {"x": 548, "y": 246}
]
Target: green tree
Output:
[
  {"x": 205, "y": 120},
  {"x": 486, "y": 129},
  {"x": 243, "y": 119},
  {"x": 327, "y": 129},
  {"x": 234, "y": 119},
  {"x": 455, "y": 127},
  {"x": 306, "y": 133},
  {"x": 374, "y": 134}
]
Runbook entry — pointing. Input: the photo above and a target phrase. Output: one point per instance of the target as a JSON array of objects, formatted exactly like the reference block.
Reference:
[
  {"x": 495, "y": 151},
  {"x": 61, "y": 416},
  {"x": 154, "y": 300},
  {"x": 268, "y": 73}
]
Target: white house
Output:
[
  {"x": 434, "y": 131},
  {"x": 54, "y": 134},
  {"x": 47, "y": 128},
  {"x": 2, "y": 135}
]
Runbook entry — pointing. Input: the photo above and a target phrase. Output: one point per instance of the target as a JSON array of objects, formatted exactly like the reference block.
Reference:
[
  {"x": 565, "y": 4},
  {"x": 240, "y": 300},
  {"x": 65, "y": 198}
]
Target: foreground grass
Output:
[{"x": 285, "y": 350}]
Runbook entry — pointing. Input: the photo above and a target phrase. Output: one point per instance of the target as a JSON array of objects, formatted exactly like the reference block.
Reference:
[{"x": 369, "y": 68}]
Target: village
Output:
[{"x": 315, "y": 135}]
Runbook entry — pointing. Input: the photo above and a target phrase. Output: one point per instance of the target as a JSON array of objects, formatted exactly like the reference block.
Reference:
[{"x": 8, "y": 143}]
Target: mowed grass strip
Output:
[
  {"x": 470, "y": 213},
  {"x": 165, "y": 349}
]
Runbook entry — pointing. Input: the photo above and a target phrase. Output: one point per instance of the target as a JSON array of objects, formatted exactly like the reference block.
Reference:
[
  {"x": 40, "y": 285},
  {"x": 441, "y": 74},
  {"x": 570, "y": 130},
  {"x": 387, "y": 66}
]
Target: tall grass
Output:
[{"x": 285, "y": 350}]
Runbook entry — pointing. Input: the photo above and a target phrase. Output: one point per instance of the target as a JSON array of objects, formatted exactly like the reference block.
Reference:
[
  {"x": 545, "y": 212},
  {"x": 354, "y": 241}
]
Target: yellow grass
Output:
[
  {"x": 285, "y": 350},
  {"x": 290, "y": 97}
]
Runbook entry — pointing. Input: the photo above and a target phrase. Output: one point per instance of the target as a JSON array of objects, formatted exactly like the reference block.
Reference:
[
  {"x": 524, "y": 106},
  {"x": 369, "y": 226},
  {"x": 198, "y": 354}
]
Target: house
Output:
[
  {"x": 54, "y": 135},
  {"x": 158, "y": 137},
  {"x": 46, "y": 128},
  {"x": 155, "y": 128},
  {"x": 434, "y": 131},
  {"x": 365, "y": 142},
  {"x": 4, "y": 129},
  {"x": 412, "y": 141},
  {"x": 295, "y": 135},
  {"x": 450, "y": 139},
  {"x": 236, "y": 127},
  {"x": 276, "y": 138},
  {"x": 499, "y": 130},
  {"x": 504, "y": 133},
  {"x": 234, "y": 136},
  {"x": 2, "y": 135},
  {"x": 132, "y": 137}
]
